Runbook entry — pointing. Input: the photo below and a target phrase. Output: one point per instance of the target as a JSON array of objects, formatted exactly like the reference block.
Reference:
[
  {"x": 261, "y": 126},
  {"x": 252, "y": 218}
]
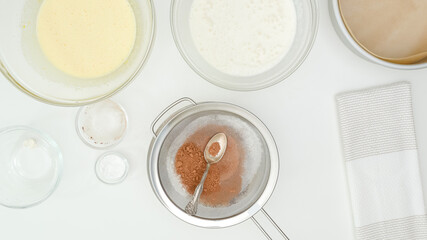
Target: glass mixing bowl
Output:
[
  {"x": 30, "y": 166},
  {"x": 307, "y": 23},
  {"x": 23, "y": 63}
]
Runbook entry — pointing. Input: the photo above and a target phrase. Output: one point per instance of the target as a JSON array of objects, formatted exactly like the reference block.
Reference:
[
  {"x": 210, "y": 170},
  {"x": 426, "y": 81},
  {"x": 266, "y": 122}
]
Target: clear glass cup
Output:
[
  {"x": 307, "y": 23},
  {"x": 30, "y": 166}
]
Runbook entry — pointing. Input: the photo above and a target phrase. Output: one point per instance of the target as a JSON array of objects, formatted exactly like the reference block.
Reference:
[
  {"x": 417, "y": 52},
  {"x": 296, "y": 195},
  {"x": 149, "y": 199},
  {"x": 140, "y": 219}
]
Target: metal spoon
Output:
[{"x": 220, "y": 138}]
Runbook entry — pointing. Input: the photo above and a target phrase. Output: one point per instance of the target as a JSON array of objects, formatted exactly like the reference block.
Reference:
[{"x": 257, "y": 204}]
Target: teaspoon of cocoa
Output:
[{"x": 213, "y": 153}]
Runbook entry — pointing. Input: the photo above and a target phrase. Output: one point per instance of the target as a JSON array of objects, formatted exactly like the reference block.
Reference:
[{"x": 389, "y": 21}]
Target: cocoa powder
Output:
[
  {"x": 190, "y": 164},
  {"x": 224, "y": 181},
  {"x": 214, "y": 149}
]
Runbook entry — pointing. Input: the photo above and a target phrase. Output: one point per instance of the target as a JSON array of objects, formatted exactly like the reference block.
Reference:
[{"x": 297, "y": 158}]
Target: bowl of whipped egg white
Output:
[
  {"x": 74, "y": 52},
  {"x": 244, "y": 45}
]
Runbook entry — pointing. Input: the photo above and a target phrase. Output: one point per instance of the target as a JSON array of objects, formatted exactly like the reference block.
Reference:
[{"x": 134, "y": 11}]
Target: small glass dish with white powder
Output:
[
  {"x": 102, "y": 125},
  {"x": 112, "y": 168}
]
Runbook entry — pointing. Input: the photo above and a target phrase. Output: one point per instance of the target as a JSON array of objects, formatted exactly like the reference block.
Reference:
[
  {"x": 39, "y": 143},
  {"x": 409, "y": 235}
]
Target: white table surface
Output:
[{"x": 310, "y": 200}]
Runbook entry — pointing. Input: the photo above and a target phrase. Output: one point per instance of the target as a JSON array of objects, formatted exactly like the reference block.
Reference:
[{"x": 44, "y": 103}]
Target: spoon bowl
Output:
[{"x": 221, "y": 139}]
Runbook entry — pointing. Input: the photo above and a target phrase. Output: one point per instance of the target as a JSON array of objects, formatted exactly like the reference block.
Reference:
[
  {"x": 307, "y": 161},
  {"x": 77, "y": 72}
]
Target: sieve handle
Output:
[
  {"x": 184, "y": 99},
  {"x": 191, "y": 207},
  {"x": 272, "y": 222}
]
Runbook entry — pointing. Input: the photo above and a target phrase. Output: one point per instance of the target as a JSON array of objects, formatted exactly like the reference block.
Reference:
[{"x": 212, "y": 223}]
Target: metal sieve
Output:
[{"x": 250, "y": 200}]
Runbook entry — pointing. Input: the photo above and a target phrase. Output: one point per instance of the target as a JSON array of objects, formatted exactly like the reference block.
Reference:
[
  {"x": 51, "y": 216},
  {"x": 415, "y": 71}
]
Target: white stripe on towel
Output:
[{"x": 410, "y": 228}]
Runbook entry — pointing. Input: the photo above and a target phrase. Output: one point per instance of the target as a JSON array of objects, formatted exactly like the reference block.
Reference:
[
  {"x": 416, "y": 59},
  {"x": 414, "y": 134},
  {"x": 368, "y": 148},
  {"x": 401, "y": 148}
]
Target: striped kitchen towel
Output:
[{"x": 380, "y": 153}]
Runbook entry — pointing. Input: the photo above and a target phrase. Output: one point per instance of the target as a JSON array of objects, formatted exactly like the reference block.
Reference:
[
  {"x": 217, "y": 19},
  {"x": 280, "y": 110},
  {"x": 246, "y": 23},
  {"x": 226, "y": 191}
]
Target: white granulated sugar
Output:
[
  {"x": 103, "y": 123},
  {"x": 250, "y": 141},
  {"x": 243, "y": 37},
  {"x": 111, "y": 167}
]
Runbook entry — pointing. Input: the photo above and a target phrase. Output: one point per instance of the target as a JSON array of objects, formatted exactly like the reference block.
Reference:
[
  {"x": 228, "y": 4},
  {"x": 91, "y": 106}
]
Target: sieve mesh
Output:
[{"x": 256, "y": 162}]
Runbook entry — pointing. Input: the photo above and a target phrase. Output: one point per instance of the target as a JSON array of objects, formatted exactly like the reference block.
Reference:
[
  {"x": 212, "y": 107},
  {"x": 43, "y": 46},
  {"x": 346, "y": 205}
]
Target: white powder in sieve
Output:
[
  {"x": 243, "y": 37},
  {"x": 250, "y": 142}
]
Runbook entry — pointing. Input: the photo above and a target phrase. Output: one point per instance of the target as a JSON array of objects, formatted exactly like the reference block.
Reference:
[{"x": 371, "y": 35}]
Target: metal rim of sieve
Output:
[{"x": 181, "y": 114}]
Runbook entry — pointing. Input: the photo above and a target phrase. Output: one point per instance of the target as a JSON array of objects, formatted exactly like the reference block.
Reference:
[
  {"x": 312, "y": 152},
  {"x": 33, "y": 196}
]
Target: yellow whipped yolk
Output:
[{"x": 86, "y": 38}]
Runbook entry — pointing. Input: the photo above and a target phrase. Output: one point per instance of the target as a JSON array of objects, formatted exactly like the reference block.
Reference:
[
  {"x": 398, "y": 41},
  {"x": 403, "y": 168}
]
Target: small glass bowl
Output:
[
  {"x": 108, "y": 163},
  {"x": 30, "y": 167},
  {"x": 307, "y": 24},
  {"x": 23, "y": 63},
  {"x": 100, "y": 112}
]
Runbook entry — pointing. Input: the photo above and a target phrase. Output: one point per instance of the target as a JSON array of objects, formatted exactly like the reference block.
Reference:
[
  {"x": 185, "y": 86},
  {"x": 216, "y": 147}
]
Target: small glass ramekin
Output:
[
  {"x": 90, "y": 141},
  {"x": 106, "y": 180}
]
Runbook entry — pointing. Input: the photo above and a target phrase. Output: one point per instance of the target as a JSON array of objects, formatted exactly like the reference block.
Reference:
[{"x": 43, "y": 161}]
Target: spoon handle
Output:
[{"x": 191, "y": 207}]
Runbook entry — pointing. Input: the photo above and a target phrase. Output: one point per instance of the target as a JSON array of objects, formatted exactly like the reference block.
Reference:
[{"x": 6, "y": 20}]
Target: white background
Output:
[{"x": 310, "y": 200}]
